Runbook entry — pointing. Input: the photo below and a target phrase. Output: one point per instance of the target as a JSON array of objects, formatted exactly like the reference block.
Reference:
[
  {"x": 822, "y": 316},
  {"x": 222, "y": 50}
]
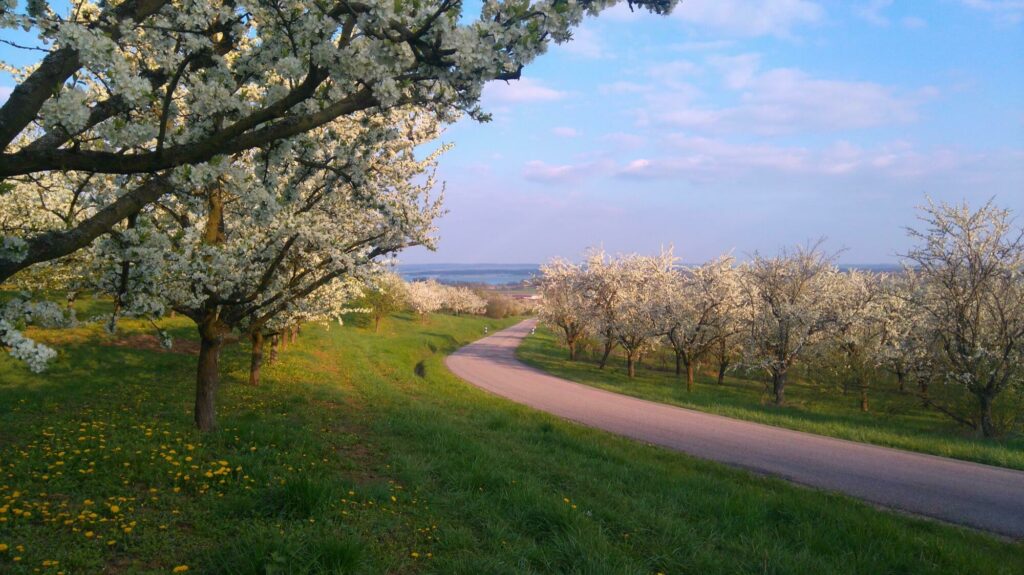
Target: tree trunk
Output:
[
  {"x": 679, "y": 364},
  {"x": 376, "y": 324},
  {"x": 901, "y": 380},
  {"x": 572, "y": 350},
  {"x": 864, "y": 398},
  {"x": 631, "y": 364},
  {"x": 295, "y": 333},
  {"x": 689, "y": 376},
  {"x": 274, "y": 339},
  {"x": 723, "y": 365},
  {"x": 609, "y": 345},
  {"x": 257, "y": 358},
  {"x": 988, "y": 425},
  {"x": 207, "y": 377},
  {"x": 779, "y": 387}
]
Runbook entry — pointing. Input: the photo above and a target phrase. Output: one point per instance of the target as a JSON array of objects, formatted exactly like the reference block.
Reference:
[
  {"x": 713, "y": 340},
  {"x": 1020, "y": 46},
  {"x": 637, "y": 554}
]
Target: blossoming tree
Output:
[
  {"x": 276, "y": 234},
  {"x": 788, "y": 308},
  {"x": 563, "y": 303},
  {"x": 698, "y": 306},
  {"x": 972, "y": 265},
  {"x": 142, "y": 89}
]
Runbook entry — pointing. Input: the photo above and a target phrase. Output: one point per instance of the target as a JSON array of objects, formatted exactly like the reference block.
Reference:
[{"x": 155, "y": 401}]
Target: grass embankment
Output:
[
  {"x": 361, "y": 453},
  {"x": 895, "y": 420}
]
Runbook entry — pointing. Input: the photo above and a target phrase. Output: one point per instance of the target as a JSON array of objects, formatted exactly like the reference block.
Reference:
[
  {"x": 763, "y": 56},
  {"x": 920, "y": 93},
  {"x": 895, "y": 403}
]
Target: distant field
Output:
[
  {"x": 896, "y": 420},
  {"x": 360, "y": 453}
]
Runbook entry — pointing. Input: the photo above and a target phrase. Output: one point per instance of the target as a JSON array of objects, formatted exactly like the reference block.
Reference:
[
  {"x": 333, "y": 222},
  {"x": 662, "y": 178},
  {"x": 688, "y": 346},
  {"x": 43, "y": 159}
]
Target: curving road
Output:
[{"x": 979, "y": 496}]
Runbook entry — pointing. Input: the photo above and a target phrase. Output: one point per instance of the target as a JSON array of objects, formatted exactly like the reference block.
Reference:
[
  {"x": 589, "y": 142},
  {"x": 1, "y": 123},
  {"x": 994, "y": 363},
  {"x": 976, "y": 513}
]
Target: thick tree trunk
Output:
[
  {"x": 207, "y": 377},
  {"x": 257, "y": 358},
  {"x": 609, "y": 345},
  {"x": 295, "y": 333},
  {"x": 689, "y": 376},
  {"x": 723, "y": 366},
  {"x": 679, "y": 364},
  {"x": 631, "y": 364},
  {"x": 988, "y": 424},
  {"x": 901, "y": 380},
  {"x": 779, "y": 387},
  {"x": 572, "y": 350}
]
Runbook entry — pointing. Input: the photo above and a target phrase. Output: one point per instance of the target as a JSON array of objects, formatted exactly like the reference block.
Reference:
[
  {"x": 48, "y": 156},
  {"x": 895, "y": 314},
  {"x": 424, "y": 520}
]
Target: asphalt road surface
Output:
[{"x": 980, "y": 496}]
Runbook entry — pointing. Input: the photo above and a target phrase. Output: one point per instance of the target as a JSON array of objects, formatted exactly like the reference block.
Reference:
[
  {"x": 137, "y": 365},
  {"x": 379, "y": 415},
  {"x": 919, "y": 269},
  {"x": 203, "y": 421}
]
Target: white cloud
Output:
[
  {"x": 750, "y": 17},
  {"x": 565, "y": 132},
  {"x": 785, "y": 100},
  {"x": 624, "y": 88},
  {"x": 539, "y": 171},
  {"x": 873, "y": 12},
  {"x": 914, "y": 22},
  {"x": 585, "y": 43},
  {"x": 521, "y": 91},
  {"x": 708, "y": 159},
  {"x": 624, "y": 140},
  {"x": 1008, "y": 11}
]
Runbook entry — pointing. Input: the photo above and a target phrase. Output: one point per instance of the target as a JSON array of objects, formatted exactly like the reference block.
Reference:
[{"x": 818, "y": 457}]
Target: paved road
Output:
[{"x": 980, "y": 496}]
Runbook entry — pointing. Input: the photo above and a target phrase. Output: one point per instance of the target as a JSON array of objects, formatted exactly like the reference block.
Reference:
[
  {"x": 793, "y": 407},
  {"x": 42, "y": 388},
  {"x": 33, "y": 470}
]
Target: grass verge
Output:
[{"x": 895, "y": 420}]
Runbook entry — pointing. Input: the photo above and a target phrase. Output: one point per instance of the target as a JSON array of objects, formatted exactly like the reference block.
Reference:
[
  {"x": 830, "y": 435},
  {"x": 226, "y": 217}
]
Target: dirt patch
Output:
[{"x": 150, "y": 342}]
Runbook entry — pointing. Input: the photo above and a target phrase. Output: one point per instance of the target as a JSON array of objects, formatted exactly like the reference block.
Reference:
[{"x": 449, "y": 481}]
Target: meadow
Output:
[
  {"x": 360, "y": 453},
  {"x": 895, "y": 419}
]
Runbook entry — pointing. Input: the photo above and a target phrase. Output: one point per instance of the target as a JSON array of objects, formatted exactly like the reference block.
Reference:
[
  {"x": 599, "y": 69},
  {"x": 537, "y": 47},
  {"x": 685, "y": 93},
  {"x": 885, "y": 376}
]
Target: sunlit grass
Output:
[
  {"x": 349, "y": 458},
  {"x": 895, "y": 420}
]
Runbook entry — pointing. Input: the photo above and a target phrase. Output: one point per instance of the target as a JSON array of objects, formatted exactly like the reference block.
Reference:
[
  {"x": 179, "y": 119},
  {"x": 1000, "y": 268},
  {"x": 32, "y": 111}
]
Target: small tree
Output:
[
  {"x": 424, "y": 297},
  {"x": 639, "y": 312},
  {"x": 564, "y": 301},
  {"x": 859, "y": 329},
  {"x": 972, "y": 266},
  {"x": 385, "y": 294},
  {"x": 788, "y": 306},
  {"x": 603, "y": 297},
  {"x": 698, "y": 304}
]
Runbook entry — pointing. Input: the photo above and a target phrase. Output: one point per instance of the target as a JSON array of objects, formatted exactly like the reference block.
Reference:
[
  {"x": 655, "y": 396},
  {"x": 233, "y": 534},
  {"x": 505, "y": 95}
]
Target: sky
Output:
[
  {"x": 738, "y": 126},
  {"x": 742, "y": 126}
]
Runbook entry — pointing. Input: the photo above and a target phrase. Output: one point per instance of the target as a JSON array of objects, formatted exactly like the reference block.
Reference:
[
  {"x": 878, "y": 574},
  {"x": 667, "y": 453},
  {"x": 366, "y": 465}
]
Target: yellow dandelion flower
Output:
[
  {"x": 3, "y": 547},
  {"x": 180, "y": 569},
  {"x": 114, "y": 508}
]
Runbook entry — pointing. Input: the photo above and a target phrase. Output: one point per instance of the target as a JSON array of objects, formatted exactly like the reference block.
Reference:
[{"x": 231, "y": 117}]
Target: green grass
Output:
[
  {"x": 895, "y": 420},
  {"x": 351, "y": 459}
]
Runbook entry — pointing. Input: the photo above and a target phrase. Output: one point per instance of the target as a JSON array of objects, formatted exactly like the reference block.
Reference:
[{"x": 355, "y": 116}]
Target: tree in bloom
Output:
[
  {"x": 971, "y": 263},
  {"x": 459, "y": 300},
  {"x": 698, "y": 306},
  {"x": 787, "y": 308},
  {"x": 603, "y": 300},
  {"x": 907, "y": 335},
  {"x": 275, "y": 235},
  {"x": 143, "y": 89},
  {"x": 424, "y": 297},
  {"x": 563, "y": 304},
  {"x": 859, "y": 329},
  {"x": 639, "y": 313},
  {"x": 385, "y": 294}
]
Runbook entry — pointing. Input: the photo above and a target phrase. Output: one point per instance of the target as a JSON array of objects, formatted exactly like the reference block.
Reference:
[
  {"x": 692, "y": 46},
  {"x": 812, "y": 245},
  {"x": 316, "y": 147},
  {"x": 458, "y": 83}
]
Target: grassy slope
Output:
[
  {"x": 346, "y": 460},
  {"x": 895, "y": 420}
]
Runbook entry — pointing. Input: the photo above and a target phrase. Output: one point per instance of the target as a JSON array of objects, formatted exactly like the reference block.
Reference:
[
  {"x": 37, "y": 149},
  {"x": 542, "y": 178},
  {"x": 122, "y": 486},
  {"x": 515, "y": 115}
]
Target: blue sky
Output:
[{"x": 739, "y": 125}]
